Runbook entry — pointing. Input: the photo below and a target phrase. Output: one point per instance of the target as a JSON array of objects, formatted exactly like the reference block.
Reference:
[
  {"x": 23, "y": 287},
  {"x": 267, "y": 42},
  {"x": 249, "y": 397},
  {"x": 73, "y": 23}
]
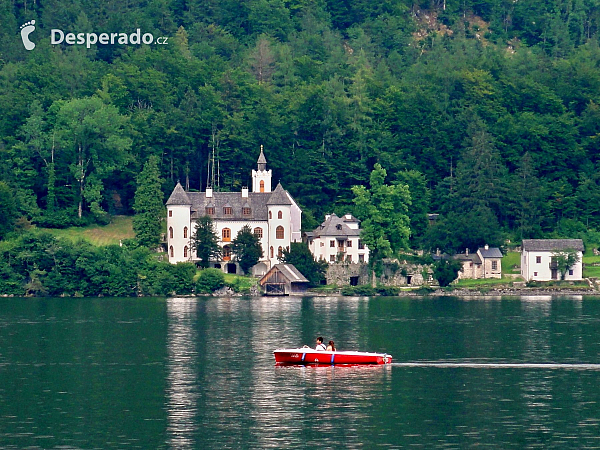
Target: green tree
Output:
[
  {"x": 564, "y": 260},
  {"x": 93, "y": 135},
  {"x": 8, "y": 209},
  {"x": 206, "y": 242},
  {"x": 247, "y": 249},
  {"x": 445, "y": 271},
  {"x": 148, "y": 205},
  {"x": 302, "y": 259},
  {"x": 383, "y": 211},
  {"x": 209, "y": 281}
]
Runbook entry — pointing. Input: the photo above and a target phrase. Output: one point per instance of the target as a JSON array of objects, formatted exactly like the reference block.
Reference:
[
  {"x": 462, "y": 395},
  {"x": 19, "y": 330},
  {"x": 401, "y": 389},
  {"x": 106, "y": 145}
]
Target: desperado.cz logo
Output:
[{"x": 88, "y": 39}]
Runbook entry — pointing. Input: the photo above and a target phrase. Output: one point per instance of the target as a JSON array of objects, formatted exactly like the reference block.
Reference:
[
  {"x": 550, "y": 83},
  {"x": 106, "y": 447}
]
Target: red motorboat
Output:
[{"x": 312, "y": 356}]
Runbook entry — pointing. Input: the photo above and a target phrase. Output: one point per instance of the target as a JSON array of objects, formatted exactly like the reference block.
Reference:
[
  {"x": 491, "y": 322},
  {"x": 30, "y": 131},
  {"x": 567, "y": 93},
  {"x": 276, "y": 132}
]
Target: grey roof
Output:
[
  {"x": 261, "y": 157},
  {"x": 289, "y": 271},
  {"x": 179, "y": 196},
  {"x": 256, "y": 201},
  {"x": 473, "y": 257},
  {"x": 279, "y": 197},
  {"x": 334, "y": 226},
  {"x": 292, "y": 274},
  {"x": 491, "y": 252},
  {"x": 552, "y": 245}
]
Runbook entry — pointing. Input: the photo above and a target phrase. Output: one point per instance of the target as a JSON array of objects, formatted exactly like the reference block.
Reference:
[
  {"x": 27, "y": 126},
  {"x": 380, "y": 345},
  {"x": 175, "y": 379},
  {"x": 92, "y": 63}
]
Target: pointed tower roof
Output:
[
  {"x": 261, "y": 157},
  {"x": 179, "y": 196},
  {"x": 279, "y": 197}
]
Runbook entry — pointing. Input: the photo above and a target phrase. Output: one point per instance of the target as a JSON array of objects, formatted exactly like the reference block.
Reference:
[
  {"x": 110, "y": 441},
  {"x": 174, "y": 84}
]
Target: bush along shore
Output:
[{"x": 38, "y": 264}]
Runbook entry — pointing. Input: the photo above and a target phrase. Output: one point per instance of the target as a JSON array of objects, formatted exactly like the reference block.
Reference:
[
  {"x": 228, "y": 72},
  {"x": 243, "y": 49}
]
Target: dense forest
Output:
[{"x": 489, "y": 110}]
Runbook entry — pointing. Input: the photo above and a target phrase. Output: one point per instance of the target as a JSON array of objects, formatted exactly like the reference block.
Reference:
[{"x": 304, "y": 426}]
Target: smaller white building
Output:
[
  {"x": 338, "y": 240},
  {"x": 538, "y": 263}
]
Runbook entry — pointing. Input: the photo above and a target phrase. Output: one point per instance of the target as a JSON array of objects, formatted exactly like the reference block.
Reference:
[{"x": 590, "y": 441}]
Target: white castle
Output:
[{"x": 273, "y": 216}]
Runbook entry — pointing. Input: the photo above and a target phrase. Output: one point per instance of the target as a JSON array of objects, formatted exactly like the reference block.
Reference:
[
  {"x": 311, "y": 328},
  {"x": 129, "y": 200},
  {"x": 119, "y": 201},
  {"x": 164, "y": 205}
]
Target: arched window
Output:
[
  {"x": 226, "y": 253},
  {"x": 171, "y": 251},
  {"x": 279, "y": 252},
  {"x": 226, "y": 234},
  {"x": 270, "y": 215},
  {"x": 185, "y": 250},
  {"x": 262, "y": 186},
  {"x": 258, "y": 232},
  {"x": 271, "y": 251},
  {"x": 185, "y": 232},
  {"x": 171, "y": 232},
  {"x": 279, "y": 233},
  {"x": 279, "y": 215}
]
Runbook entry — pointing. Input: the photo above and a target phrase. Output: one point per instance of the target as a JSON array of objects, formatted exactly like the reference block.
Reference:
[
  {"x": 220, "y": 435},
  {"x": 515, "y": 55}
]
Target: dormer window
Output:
[
  {"x": 246, "y": 211},
  {"x": 338, "y": 227},
  {"x": 210, "y": 210},
  {"x": 227, "y": 210}
]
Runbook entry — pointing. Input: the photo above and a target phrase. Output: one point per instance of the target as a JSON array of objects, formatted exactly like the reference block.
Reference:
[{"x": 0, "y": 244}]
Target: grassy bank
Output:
[{"x": 119, "y": 228}]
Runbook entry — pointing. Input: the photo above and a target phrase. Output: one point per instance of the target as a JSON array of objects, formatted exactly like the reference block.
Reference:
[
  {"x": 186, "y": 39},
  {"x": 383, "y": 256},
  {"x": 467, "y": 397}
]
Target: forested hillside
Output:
[{"x": 488, "y": 109}]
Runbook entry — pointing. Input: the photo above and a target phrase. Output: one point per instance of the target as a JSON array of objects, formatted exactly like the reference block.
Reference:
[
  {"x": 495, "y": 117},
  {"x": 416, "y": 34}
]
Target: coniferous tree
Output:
[
  {"x": 148, "y": 205},
  {"x": 247, "y": 249},
  {"x": 206, "y": 242}
]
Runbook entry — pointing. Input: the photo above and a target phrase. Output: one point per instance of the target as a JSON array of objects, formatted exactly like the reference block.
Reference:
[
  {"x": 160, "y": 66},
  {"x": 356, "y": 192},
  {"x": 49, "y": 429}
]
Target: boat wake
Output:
[{"x": 483, "y": 365}]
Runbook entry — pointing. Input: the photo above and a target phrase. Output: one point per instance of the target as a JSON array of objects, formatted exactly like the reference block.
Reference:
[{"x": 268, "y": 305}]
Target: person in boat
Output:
[
  {"x": 320, "y": 346},
  {"x": 331, "y": 347}
]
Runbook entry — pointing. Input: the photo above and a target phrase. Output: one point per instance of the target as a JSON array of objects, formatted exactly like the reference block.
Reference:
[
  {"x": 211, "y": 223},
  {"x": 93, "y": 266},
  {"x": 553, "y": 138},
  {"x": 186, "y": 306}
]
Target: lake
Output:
[{"x": 513, "y": 372}]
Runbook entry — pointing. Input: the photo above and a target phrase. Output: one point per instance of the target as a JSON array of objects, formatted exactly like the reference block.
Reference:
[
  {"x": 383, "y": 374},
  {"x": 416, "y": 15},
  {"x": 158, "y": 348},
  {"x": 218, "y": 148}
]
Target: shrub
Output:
[
  {"x": 209, "y": 281},
  {"x": 389, "y": 291}
]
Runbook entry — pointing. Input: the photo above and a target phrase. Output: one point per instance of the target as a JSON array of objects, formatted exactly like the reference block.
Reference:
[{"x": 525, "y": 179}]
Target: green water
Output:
[{"x": 200, "y": 373}]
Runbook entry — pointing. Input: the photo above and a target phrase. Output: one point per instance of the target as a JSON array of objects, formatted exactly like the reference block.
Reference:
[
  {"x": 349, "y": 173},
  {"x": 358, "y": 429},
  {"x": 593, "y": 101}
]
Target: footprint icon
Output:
[{"x": 26, "y": 29}]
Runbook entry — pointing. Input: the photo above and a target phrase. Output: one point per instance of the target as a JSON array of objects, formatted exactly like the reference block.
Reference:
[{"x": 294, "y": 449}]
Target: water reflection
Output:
[{"x": 182, "y": 380}]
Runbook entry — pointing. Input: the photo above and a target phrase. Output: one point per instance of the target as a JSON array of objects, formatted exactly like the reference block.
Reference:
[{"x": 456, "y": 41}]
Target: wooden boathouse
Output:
[{"x": 283, "y": 279}]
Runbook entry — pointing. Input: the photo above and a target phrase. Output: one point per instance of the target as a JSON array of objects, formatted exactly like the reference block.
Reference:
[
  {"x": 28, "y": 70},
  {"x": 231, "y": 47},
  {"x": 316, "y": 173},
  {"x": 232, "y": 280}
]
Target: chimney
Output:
[
  {"x": 437, "y": 252},
  {"x": 208, "y": 192},
  {"x": 487, "y": 247},
  {"x": 467, "y": 251},
  {"x": 327, "y": 216},
  {"x": 244, "y": 192}
]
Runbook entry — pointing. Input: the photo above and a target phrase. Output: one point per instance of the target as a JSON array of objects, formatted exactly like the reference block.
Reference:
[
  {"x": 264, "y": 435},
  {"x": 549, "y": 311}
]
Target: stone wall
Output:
[{"x": 394, "y": 274}]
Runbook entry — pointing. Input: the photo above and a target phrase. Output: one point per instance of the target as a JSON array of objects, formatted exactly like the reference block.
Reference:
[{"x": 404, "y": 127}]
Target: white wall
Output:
[
  {"x": 179, "y": 219},
  {"x": 532, "y": 270}
]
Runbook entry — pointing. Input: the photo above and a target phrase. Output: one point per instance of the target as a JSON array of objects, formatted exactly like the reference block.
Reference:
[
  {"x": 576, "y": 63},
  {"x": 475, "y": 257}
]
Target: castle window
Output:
[
  {"x": 494, "y": 265},
  {"x": 226, "y": 234},
  {"x": 280, "y": 252},
  {"x": 262, "y": 186},
  {"x": 361, "y": 246},
  {"x": 279, "y": 233},
  {"x": 279, "y": 215},
  {"x": 210, "y": 210},
  {"x": 170, "y": 232},
  {"x": 246, "y": 211},
  {"x": 185, "y": 250},
  {"x": 258, "y": 232},
  {"x": 271, "y": 252},
  {"x": 349, "y": 243},
  {"x": 170, "y": 213},
  {"x": 226, "y": 253},
  {"x": 227, "y": 210},
  {"x": 332, "y": 258},
  {"x": 185, "y": 230},
  {"x": 332, "y": 243},
  {"x": 171, "y": 251},
  {"x": 361, "y": 258},
  {"x": 270, "y": 215}
]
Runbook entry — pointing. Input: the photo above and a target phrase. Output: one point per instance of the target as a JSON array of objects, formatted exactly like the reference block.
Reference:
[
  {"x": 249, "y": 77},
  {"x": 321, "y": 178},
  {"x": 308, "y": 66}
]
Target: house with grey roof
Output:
[
  {"x": 337, "y": 239},
  {"x": 485, "y": 263},
  {"x": 273, "y": 216},
  {"x": 283, "y": 279},
  {"x": 539, "y": 259}
]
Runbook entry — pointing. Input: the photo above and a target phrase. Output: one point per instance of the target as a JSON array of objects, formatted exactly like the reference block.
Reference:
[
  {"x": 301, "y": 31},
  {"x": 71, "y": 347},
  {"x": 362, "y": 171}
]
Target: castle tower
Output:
[{"x": 261, "y": 178}]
